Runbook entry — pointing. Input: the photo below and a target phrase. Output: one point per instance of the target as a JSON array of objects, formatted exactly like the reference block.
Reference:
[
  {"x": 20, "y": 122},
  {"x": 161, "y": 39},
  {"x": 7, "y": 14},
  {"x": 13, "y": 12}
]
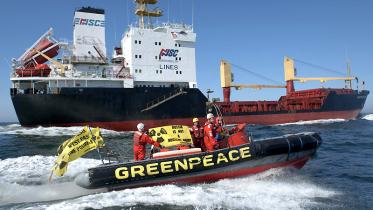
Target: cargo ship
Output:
[{"x": 150, "y": 78}]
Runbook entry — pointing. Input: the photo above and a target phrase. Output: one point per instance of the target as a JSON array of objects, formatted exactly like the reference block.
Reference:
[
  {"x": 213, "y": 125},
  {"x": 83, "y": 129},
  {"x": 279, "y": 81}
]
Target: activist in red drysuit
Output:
[
  {"x": 197, "y": 133},
  {"x": 209, "y": 133},
  {"x": 140, "y": 139}
]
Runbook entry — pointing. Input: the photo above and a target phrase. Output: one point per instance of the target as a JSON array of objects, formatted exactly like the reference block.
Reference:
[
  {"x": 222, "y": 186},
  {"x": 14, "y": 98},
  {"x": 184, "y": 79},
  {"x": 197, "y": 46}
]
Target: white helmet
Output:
[
  {"x": 140, "y": 126},
  {"x": 209, "y": 116}
]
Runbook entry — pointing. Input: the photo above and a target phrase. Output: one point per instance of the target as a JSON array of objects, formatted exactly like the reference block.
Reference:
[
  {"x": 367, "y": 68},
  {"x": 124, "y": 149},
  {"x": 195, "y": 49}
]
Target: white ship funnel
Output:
[{"x": 89, "y": 35}]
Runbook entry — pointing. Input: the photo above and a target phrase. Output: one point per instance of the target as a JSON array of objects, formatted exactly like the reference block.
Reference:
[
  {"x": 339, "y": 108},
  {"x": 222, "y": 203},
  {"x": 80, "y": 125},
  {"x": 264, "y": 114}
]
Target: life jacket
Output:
[
  {"x": 197, "y": 131},
  {"x": 209, "y": 127},
  {"x": 137, "y": 139},
  {"x": 219, "y": 132}
]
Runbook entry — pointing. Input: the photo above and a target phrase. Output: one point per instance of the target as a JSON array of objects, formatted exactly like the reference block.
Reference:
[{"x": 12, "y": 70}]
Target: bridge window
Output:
[
  {"x": 159, "y": 43},
  {"x": 139, "y": 56},
  {"x": 177, "y": 72},
  {"x": 160, "y": 71},
  {"x": 139, "y": 42},
  {"x": 135, "y": 41},
  {"x": 156, "y": 43},
  {"x": 135, "y": 56},
  {"x": 179, "y": 58}
]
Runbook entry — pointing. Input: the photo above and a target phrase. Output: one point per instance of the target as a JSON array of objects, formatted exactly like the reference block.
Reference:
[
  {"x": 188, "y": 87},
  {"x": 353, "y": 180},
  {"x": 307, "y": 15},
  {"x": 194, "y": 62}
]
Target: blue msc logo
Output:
[
  {"x": 89, "y": 22},
  {"x": 168, "y": 52}
]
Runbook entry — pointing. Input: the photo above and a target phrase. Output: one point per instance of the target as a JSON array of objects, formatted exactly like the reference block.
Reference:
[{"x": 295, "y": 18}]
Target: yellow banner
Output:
[
  {"x": 171, "y": 135},
  {"x": 75, "y": 147}
]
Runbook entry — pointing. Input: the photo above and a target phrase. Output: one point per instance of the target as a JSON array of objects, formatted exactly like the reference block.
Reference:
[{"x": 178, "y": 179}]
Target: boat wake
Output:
[
  {"x": 24, "y": 181},
  {"x": 368, "y": 117},
  {"x": 269, "y": 190},
  {"x": 310, "y": 122},
  {"x": 17, "y": 129}
]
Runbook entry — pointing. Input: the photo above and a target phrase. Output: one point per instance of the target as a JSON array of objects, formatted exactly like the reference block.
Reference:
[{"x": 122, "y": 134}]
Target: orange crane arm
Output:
[
  {"x": 226, "y": 79},
  {"x": 289, "y": 69},
  {"x": 56, "y": 63}
]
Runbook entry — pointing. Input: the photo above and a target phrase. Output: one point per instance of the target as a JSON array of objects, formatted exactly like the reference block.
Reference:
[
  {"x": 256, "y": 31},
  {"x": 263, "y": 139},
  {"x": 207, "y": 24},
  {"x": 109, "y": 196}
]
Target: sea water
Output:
[{"x": 340, "y": 176}]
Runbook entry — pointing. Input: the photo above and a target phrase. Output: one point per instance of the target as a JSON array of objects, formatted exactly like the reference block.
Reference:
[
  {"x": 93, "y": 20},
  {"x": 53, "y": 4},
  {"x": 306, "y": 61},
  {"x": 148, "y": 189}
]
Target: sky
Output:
[{"x": 255, "y": 35}]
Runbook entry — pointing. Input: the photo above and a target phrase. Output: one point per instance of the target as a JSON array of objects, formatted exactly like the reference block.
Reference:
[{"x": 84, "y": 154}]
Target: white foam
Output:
[
  {"x": 368, "y": 117},
  {"x": 274, "y": 189},
  {"x": 310, "y": 122},
  {"x": 25, "y": 179},
  {"x": 16, "y": 129}
]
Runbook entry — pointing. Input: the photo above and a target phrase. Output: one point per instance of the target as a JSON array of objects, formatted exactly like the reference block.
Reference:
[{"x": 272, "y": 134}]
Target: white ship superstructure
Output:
[
  {"x": 161, "y": 56},
  {"x": 148, "y": 56}
]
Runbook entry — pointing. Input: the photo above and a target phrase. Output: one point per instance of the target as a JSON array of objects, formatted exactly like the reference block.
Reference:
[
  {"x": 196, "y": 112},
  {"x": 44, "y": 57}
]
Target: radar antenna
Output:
[{"x": 143, "y": 11}]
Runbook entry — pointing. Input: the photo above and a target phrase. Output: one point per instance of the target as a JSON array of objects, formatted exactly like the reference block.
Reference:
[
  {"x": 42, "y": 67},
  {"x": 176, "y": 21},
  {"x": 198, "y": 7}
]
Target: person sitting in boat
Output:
[
  {"x": 140, "y": 139},
  {"x": 220, "y": 131},
  {"x": 210, "y": 133},
  {"x": 197, "y": 134}
]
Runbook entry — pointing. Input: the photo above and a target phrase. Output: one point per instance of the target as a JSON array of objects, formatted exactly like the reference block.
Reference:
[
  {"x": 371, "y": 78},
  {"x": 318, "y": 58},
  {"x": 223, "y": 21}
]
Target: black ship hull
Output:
[{"x": 122, "y": 108}]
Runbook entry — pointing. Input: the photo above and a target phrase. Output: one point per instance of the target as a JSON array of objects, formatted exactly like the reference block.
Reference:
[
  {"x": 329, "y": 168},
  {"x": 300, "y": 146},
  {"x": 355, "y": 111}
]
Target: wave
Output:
[
  {"x": 24, "y": 182},
  {"x": 310, "y": 122},
  {"x": 17, "y": 129},
  {"x": 273, "y": 189},
  {"x": 25, "y": 179},
  {"x": 368, "y": 117}
]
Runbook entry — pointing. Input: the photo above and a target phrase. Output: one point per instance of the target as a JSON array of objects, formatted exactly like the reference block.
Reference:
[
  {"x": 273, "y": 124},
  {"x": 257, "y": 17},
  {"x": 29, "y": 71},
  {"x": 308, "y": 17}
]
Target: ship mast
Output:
[
  {"x": 226, "y": 81},
  {"x": 348, "y": 83},
  {"x": 142, "y": 11},
  {"x": 290, "y": 76}
]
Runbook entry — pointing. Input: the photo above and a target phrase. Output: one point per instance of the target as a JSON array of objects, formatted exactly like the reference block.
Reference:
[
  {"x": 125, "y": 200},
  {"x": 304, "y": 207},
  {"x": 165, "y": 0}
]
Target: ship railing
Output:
[
  {"x": 34, "y": 91},
  {"x": 102, "y": 75},
  {"x": 178, "y": 26},
  {"x": 164, "y": 98},
  {"x": 87, "y": 59},
  {"x": 109, "y": 74},
  {"x": 170, "y": 25}
]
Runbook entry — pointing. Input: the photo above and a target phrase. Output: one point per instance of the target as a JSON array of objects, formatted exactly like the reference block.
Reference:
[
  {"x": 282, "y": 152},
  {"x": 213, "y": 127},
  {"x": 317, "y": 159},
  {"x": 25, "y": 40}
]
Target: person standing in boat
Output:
[
  {"x": 197, "y": 134},
  {"x": 210, "y": 133},
  {"x": 140, "y": 140}
]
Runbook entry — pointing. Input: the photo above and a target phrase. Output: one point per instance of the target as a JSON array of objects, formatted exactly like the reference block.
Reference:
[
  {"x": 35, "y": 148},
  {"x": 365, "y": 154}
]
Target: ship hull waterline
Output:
[{"x": 264, "y": 119}]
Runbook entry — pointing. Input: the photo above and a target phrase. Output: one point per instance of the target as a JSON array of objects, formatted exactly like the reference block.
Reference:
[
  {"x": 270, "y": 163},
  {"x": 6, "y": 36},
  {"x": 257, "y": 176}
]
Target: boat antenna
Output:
[
  {"x": 192, "y": 15},
  {"x": 348, "y": 83},
  {"x": 168, "y": 11},
  {"x": 208, "y": 93},
  {"x": 128, "y": 13},
  {"x": 115, "y": 32},
  {"x": 181, "y": 11}
]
